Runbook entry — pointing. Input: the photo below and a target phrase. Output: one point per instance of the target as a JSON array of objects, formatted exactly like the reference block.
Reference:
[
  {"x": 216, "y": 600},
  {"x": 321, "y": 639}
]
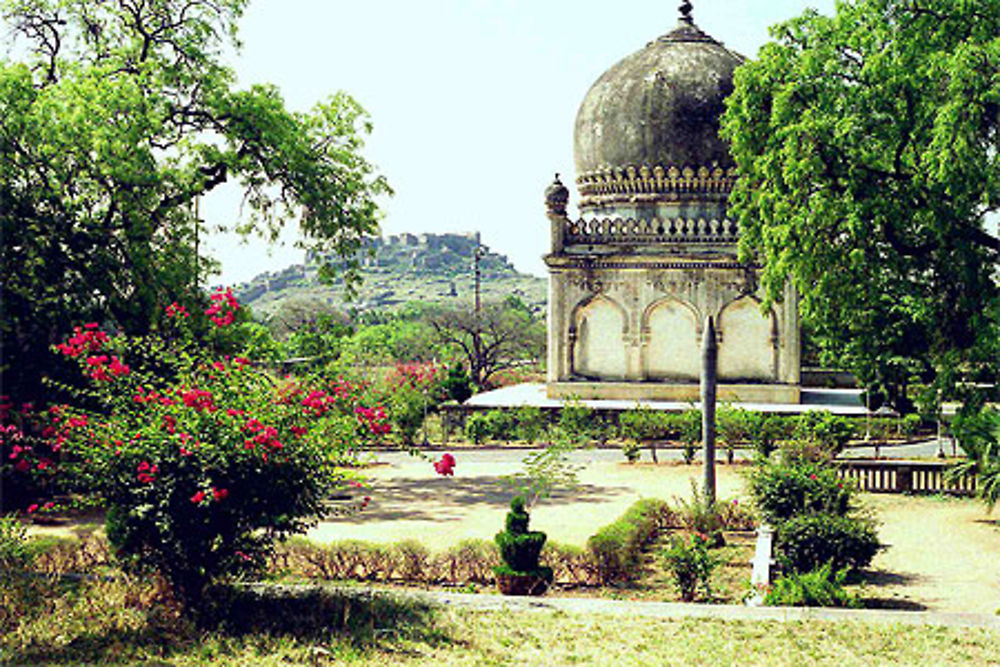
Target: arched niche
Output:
[
  {"x": 672, "y": 341},
  {"x": 599, "y": 350},
  {"x": 747, "y": 351}
]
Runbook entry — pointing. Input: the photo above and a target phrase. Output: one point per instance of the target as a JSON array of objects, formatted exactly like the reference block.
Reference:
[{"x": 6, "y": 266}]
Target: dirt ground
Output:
[{"x": 942, "y": 554}]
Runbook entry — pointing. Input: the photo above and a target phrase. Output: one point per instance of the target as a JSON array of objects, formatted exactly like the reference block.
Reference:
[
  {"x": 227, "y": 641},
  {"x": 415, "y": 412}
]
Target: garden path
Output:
[{"x": 943, "y": 554}]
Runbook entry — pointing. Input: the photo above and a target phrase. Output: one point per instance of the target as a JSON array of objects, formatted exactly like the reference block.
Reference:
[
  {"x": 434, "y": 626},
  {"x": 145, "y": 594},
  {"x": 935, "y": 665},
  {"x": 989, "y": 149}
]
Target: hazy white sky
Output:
[{"x": 473, "y": 101}]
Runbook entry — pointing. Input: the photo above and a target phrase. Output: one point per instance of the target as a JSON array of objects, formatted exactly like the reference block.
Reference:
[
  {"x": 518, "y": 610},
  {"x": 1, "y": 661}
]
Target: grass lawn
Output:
[{"x": 110, "y": 622}]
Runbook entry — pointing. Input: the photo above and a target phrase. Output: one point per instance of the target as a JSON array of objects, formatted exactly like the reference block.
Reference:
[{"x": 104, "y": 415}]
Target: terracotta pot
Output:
[{"x": 522, "y": 584}]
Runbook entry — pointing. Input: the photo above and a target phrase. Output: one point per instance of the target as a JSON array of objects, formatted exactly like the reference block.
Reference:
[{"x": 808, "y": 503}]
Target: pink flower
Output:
[{"x": 32, "y": 508}]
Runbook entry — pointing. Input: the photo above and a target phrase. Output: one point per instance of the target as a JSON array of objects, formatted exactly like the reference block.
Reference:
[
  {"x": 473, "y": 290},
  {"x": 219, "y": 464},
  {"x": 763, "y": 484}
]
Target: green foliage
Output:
[
  {"x": 576, "y": 421},
  {"x": 406, "y": 408},
  {"x": 500, "y": 425},
  {"x": 781, "y": 490},
  {"x": 822, "y": 587},
  {"x": 691, "y": 566},
  {"x": 457, "y": 383},
  {"x": 531, "y": 423},
  {"x": 701, "y": 515},
  {"x": 830, "y": 432},
  {"x": 546, "y": 470},
  {"x": 476, "y": 428},
  {"x": 119, "y": 119},
  {"x": 807, "y": 541},
  {"x": 15, "y": 551},
  {"x": 978, "y": 434},
  {"x": 866, "y": 144},
  {"x": 632, "y": 450},
  {"x": 520, "y": 548}
]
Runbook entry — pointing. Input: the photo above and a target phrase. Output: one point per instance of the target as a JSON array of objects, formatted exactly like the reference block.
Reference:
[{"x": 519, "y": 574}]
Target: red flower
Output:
[
  {"x": 198, "y": 497},
  {"x": 220, "y": 494},
  {"x": 32, "y": 507},
  {"x": 22, "y": 466},
  {"x": 446, "y": 466}
]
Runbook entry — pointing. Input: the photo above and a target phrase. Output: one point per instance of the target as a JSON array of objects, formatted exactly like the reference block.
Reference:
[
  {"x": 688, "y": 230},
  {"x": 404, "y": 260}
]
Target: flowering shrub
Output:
[
  {"x": 204, "y": 462},
  {"x": 28, "y": 451}
]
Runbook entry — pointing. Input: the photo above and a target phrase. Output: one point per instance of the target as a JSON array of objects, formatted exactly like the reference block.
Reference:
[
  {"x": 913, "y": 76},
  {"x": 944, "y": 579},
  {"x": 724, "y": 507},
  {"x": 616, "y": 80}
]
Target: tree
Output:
[
  {"x": 508, "y": 337},
  {"x": 119, "y": 118},
  {"x": 867, "y": 145}
]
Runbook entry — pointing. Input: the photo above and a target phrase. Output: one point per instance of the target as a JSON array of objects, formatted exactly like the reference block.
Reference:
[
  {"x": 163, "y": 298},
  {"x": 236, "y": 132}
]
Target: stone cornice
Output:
[{"x": 653, "y": 183}]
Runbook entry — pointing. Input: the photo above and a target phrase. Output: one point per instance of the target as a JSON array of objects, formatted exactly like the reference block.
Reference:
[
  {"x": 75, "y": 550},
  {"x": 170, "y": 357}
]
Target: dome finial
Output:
[{"x": 685, "y": 10}]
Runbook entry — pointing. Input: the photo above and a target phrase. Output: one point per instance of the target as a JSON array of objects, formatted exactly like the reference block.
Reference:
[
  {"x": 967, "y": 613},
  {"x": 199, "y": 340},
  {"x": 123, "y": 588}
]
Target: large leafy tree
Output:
[
  {"x": 867, "y": 144},
  {"x": 117, "y": 118}
]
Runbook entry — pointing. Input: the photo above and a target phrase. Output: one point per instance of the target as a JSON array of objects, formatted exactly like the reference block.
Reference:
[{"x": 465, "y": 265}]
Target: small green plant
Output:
[
  {"x": 520, "y": 548},
  {"x": 691, "y": 565},
  {"x": 701, "y": 516},
  {"x": 822, "y": 587},
  {"x": 631, "y": 450}
]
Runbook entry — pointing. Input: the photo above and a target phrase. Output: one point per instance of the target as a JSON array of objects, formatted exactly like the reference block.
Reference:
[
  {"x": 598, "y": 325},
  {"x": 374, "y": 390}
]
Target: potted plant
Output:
[{"x": 520, "y": 573}]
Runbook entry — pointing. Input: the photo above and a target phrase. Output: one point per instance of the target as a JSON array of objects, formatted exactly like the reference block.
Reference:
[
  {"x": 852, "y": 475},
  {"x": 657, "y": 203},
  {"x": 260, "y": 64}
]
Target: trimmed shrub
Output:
[
  {"x": 613, "y": 553},
  {"x": 822, "y": 587},
  {"x": 412, "y": 561},
  {"x": 520, "y": 548},
  {"x": 469, "y": 561},
  {"x": 632, "y": 451},
  {"x": 617, "y": 548},
  {"x": 808, "y": 541}
]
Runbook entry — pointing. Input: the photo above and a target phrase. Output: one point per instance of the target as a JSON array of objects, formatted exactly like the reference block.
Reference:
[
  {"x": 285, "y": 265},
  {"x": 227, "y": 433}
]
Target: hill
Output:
[{"x": 427, "y": 268}]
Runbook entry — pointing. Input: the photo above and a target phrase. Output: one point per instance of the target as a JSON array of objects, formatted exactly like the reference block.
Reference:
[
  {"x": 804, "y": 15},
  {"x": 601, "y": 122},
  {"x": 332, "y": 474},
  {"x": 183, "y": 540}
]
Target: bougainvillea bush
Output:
[{"x": 204, "y": 462}]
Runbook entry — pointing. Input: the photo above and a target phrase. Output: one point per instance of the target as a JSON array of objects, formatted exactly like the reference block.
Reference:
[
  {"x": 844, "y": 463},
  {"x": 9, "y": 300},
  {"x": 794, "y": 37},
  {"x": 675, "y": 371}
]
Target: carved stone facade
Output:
[{"x": 653, "y": 253}]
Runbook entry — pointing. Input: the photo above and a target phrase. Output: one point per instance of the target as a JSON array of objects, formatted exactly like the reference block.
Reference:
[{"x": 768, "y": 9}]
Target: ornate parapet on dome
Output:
[
  {"x": 656, "y": 183},
  {"x": 616, "y": 231}
]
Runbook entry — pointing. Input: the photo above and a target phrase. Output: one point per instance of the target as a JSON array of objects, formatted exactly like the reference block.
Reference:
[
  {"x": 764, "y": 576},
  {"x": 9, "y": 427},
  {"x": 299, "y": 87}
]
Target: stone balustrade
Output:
[
  {"x": 904, "y": 477},
  {"x": 616, "y": 231}
]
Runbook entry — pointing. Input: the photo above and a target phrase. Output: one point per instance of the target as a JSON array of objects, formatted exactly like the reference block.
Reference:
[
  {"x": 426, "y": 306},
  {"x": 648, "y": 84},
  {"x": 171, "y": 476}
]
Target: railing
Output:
[
  {"x": 904, "y": 477},
  {"x": 677, "y": 230}
]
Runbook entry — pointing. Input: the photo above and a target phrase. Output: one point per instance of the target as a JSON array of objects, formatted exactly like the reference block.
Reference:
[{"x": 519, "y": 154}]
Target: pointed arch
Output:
[
  {"x": 748, "y": 350},
  {"x": 671, "y": 328},
  {"x": 599, "y": 325}
]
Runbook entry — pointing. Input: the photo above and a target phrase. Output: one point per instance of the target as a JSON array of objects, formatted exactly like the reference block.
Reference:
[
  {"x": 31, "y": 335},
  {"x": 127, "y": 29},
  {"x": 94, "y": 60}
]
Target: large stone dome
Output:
[{"x": 658, "y": 107}]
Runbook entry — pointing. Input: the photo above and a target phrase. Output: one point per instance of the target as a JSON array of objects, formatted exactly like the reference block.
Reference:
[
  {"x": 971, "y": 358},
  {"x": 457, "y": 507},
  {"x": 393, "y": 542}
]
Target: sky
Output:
[{"x": 473, "y": 101}]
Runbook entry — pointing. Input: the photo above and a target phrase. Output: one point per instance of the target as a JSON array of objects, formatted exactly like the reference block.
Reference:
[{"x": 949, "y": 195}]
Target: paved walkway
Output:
[{"x": 673, "y": 610}]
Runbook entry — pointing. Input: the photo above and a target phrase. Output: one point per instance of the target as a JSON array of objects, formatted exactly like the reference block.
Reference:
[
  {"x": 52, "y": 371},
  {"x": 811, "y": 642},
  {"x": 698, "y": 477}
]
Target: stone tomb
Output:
[{"x": 653, "y": 253}]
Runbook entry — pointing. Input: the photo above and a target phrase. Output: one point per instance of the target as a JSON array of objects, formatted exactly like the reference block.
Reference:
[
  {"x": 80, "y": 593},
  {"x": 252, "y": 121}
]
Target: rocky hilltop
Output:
[{"x": 429, "y": 268}]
